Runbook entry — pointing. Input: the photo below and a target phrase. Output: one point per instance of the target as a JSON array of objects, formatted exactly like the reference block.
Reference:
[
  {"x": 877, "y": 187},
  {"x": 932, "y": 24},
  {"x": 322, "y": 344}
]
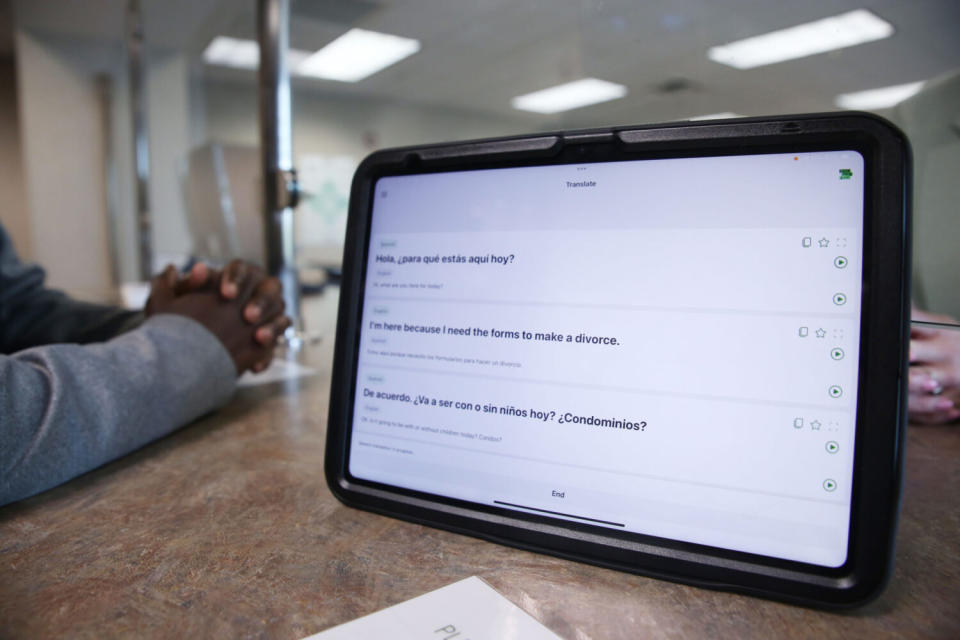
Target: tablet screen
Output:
[{"x": 667, "y": 347}]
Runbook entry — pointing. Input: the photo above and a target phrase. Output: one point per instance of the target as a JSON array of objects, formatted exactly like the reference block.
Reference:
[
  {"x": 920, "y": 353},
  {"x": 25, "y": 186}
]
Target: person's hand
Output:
[
  {"x": 246, "y": 341},
  {"x": 240, "y": 279},
  {"x": 934, "y": 384}
]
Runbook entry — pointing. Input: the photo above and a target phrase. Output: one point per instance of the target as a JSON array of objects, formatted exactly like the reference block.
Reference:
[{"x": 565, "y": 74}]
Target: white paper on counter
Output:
[{"x": 466, "y": 610}]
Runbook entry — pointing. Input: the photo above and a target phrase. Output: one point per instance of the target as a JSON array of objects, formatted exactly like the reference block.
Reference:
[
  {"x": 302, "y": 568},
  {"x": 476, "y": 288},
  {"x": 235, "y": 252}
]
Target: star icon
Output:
[
  {"x": 815, "y": 425},
  {"x": 821, "y": 333},
  {"x": 824, "y": 243}
]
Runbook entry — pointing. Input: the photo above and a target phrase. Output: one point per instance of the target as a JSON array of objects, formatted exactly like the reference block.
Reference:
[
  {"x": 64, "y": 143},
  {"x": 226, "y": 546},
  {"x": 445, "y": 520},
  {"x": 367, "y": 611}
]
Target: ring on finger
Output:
[{"x": 938, "y": 388}]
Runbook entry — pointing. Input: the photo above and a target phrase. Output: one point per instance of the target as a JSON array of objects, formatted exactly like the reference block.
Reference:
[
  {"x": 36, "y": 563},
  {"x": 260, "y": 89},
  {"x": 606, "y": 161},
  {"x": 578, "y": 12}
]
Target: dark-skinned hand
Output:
[
  {"x": 248, "y": 337},
  {"x": 238, "y": 279},
  {"x": 264, "y": 307}
]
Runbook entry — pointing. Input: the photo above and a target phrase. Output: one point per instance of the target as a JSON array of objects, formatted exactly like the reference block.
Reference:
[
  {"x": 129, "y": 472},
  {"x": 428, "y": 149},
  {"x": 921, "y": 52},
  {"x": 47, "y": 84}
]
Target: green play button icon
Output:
[
  {"x": 832, "y": 447},
  {"x": 835, "y": 391},
  {"x": 840, "y": 262},
  {"x": 836, "y": 353},
  {"x": 829, "y": 485}
]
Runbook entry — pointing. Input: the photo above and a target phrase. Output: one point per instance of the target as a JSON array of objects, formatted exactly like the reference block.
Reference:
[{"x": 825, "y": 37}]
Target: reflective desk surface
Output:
[{"x": 227, "y": 529}]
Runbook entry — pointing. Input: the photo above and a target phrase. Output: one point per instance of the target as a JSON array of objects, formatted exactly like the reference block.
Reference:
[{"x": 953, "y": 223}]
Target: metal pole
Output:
[
  {"x": 279, "y": 177},
  {"x": 141, "y": 147}
]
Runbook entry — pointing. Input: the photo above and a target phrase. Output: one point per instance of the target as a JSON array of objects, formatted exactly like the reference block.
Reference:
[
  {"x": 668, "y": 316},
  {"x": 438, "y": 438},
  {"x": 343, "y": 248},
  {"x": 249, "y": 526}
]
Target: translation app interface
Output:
[{"x": 667, "y": 347}]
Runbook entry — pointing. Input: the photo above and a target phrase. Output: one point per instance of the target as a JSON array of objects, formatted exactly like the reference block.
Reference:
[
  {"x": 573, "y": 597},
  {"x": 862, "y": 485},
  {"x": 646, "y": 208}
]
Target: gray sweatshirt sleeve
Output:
[{"x": 66, "y": 408}]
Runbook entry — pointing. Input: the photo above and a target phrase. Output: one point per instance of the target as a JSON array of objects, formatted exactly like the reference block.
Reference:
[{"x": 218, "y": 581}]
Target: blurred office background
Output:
[{"x": 67, "y": 181}]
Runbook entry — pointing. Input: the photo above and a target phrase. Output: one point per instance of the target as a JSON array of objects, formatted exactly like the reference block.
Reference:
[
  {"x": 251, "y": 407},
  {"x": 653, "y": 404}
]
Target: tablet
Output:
[{"x": 674, "y": 350}]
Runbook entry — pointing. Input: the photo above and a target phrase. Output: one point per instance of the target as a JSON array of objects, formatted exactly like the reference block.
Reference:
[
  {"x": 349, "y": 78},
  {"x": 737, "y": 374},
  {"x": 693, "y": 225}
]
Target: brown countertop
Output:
[{"x": 227, "y": 529}]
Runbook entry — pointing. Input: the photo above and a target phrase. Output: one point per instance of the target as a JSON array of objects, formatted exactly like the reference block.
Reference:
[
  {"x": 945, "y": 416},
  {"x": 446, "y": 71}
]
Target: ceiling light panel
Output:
[
  {"x": 356, "y": 55},
  {"x": 882, "y": 98},
  {"x": 836, "y": 32},
  {"x": 232, "y": 52},
  {"x": 571, "y": 95},
  {"x": 243, "y": 54}
]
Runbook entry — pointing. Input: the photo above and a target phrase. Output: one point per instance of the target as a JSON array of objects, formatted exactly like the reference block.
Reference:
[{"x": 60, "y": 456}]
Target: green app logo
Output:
[{"x": 846, "y": 174}]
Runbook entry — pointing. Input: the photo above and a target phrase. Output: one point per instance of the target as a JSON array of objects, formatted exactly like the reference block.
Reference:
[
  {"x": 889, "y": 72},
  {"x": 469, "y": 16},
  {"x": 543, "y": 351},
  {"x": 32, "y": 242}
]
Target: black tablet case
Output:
[{"x": 878, "y": 456}]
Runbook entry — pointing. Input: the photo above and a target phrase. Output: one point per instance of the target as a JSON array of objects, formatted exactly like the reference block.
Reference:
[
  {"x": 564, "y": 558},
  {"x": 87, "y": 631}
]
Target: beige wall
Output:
[
  {"x": 13, "y": 208},
  {"x": 62, "y": 137}
]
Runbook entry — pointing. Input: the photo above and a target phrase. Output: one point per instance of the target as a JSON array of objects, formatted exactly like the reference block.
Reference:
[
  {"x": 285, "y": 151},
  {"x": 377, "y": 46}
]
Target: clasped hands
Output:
[
  {"x": 240, "y": 305},
  {"x": 934, "y": 371}
]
